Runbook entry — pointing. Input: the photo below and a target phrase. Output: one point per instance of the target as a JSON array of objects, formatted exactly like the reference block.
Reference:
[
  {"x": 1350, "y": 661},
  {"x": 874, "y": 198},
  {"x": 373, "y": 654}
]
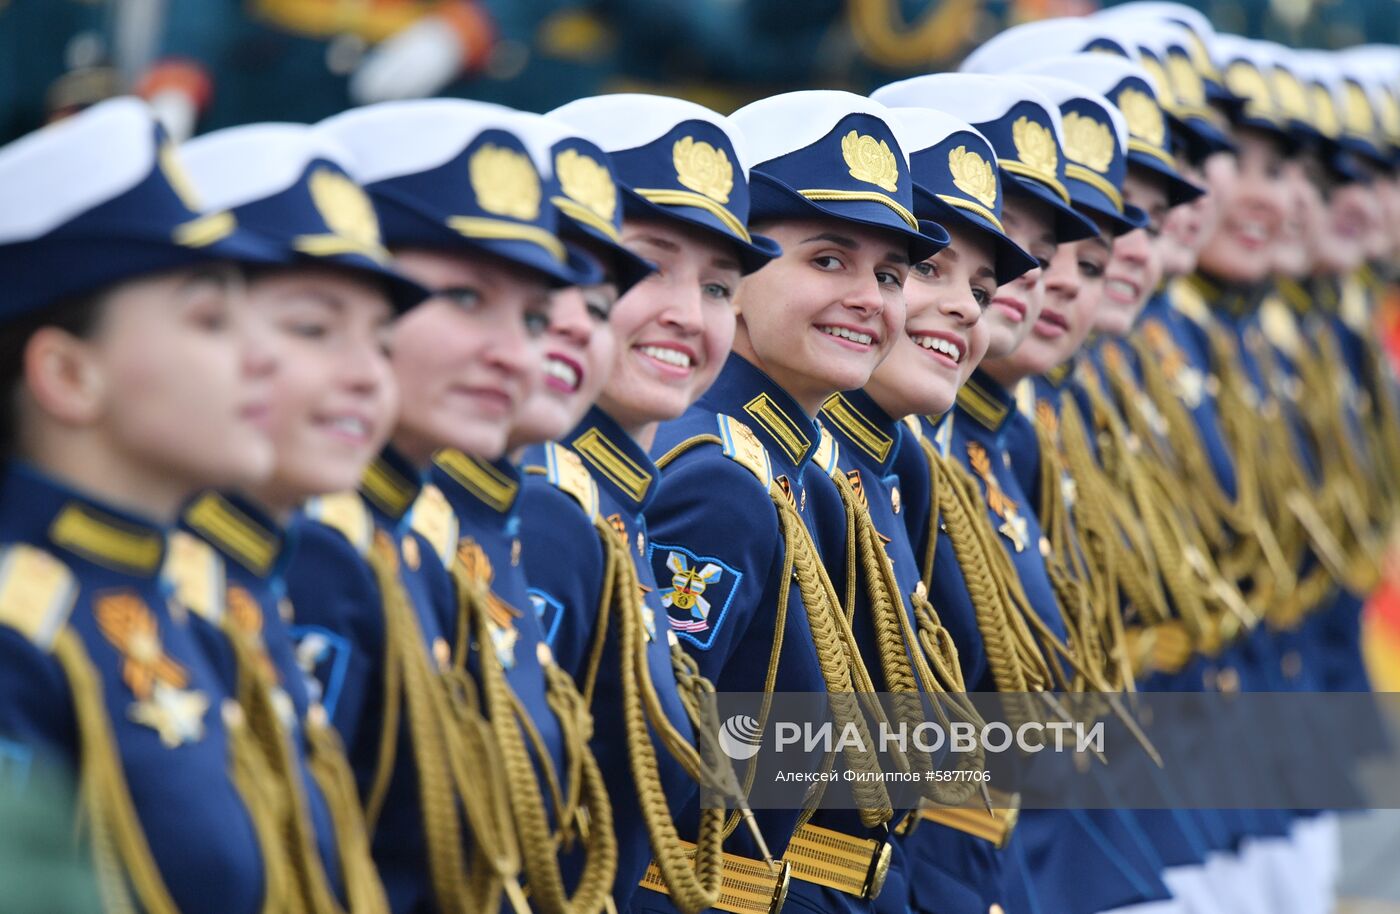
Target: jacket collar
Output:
[
  {"x": 239, "y": 529},
  {"x": 985, "y": 402},
  {"x": 615, "y": 460},
  {"x": 747, "y": 394},
  {"x": 859, "y": 424},
  {"x": 474, "y": 485},
  {"x": 391, "y": 484},
  {"x": 38, "y": 509}
]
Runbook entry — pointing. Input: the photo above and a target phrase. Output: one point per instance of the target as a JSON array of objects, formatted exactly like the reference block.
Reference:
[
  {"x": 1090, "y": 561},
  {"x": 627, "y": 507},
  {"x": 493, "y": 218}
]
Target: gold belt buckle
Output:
[
  {"x": 855, "y": 866},
  {"x": 747, "y": 886},
  {"x": 994, "y": 826}
]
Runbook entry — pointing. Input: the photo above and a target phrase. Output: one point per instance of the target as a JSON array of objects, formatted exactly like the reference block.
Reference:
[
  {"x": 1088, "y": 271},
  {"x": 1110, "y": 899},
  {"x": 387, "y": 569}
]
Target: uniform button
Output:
[
  {"x": 442, "y": 654},
  {"x": 544, "y": 654},
  {"x": 1292, "y": 664},
  {"x": 411, "y": 557},
  {"x": 894, "y": 499},
  {"x": 1228, "y": 681},
  {"x": 1044, "y": 547}
]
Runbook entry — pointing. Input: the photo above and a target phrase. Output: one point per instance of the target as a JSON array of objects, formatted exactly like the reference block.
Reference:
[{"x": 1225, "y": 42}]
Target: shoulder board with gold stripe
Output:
[
  {"x": 742, "y": 446},
  {"x": 435, "y": 521},
  {"x": 1025, "y": 398},
  {"x": 1280, "y": 326},
  {"x": 37, "y": 593},
  {"x": 346, "y": 513},
  {"x": 827, "y": 456},
  {"x": 865, "y": 434},
  {"x": 194, "y": 569},
  {"x": 1188, "y": 300},
  {"x": 565, "y": 471}
]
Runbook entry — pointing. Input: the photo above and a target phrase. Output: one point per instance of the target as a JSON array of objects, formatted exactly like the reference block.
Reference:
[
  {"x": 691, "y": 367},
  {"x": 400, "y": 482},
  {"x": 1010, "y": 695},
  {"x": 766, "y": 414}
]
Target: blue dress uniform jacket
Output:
[
  {"x": 484, "y": 497},
  {"x": 339, "y": 625},
  {"x": 713, "y": 512},
  {"x": 78, "y": 576},
  {"x": 938, "y": 868},
  {"x": 565, "y": 565},
  {"x": 254, "y": 551},
  {"x": 1052, "y": 853}
]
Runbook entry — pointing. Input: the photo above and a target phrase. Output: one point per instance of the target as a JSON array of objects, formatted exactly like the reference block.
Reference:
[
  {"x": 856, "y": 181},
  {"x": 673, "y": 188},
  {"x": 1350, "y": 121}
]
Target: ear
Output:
[{"x": 63, "y": 376}]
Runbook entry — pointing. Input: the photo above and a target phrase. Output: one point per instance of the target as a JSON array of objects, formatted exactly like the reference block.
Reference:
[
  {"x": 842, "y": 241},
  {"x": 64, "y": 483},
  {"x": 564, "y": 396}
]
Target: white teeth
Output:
[
  {"x": 1118, "y": 286},
  {"x": 669, "y": 356},
  {"x": 938, "y": 344},
  {"x": 350, "y": 426},
  {"x": 854, "y": 336},
  {"x": 1254, "y": 231},
  {"x": 562, "y": 371}
]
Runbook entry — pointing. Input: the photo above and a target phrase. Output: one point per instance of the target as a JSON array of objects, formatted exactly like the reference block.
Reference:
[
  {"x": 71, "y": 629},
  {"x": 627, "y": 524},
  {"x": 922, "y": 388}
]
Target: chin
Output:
[{"x": 486, "y": 442}]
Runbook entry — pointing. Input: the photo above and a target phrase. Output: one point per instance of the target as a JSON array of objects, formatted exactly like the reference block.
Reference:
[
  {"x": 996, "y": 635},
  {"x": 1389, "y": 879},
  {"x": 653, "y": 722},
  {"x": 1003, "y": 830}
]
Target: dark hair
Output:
[{"x": 76, "y": 315}]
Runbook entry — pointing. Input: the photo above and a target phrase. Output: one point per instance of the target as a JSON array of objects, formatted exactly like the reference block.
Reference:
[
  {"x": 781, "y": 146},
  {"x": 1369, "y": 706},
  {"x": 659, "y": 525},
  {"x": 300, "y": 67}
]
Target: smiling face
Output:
[
  {"x": 577, "y": 357},
  {"x": 1016, "y": 306},
  {"x": 1186, "y": 227},
  {"x": 944, "y": 300},
  {"x": 1302, "y": 227},
  {"x": 674, "y": 329},
  {"x": 1073, "y": 291},
  {"x": 821, "y": 317},
  {"x": 334, "y": 396},
  {"x": 466, "y": 358},
  {"x": 1355, "y": 212},
  {"x": 1135, "y": 270},
  {"x": 167, "y": 393},
  {"x": 1250, "y": 189}
]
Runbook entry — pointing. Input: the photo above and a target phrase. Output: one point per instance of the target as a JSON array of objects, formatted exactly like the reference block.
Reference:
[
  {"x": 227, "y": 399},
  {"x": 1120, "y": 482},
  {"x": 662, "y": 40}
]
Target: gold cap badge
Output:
[
  {"x": 1186, "y": 82},
  {"x": 1088, "y": 142},
  {"x": 345, "y": 208},
  {"x": 587, "y": 181},
  {"x": 1144, "y": 116},
  {"x": 505, "y": 182},
  {"x": 703, "y": 168},
  {"x": 973, "y": 175},
  {"x": 1035, "y": 147},
  {"x": 1358, "y": 116},
  {"x": 870, "y": 160}
]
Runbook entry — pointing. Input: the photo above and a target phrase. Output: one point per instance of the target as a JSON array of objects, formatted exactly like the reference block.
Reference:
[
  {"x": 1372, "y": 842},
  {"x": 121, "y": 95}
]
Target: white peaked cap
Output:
[
  {"x": 392, "y": 139},
  {"x": 615, "y": 123}
]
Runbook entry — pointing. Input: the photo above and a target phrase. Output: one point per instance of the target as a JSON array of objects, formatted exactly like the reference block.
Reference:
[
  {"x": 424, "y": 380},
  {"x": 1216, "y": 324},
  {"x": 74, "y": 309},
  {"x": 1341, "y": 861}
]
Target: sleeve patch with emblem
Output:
[
  {"x": 696, "y": 591},
  {"x": 549, "y": 610},
  {"x": 323, "y": 657}
]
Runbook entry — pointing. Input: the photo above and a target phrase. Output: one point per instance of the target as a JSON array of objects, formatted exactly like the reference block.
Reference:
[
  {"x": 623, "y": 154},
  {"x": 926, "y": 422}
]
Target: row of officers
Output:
[{"x": 385, "y": 499}]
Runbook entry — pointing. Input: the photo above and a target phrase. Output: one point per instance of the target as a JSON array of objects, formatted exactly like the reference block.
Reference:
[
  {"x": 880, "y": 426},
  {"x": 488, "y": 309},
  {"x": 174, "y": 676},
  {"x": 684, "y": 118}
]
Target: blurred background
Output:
[{"x": 212, "y": 63}]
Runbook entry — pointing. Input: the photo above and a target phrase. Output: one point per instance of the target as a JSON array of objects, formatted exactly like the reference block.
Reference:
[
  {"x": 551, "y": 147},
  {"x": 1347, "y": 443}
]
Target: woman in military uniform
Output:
[
  {"x": 468, "y": 214},
  {"x": 604, "y": 611},
  {"x": 131, "y": 382},
  {"x": 329, "y": 317}
]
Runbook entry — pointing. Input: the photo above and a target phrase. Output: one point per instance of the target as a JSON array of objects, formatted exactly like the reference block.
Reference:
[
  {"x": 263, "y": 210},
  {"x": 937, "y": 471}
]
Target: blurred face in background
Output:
[{"x": 1251, "y": 189}]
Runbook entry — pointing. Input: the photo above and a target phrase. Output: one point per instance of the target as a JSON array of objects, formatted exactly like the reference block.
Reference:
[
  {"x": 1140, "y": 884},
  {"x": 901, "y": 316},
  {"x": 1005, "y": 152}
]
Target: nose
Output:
[
  {"x": 568, "y": 317},
  {"x": 961, "y": 307},
  {"x": 513, "y": 351},
  {"x": 1134, "y": 247},
  {"x": 256, "y": 339},
  {"x": 684, "y": 310},
  {"x": 1062, "y": 279},
  {"x": 865, "y": 297}
]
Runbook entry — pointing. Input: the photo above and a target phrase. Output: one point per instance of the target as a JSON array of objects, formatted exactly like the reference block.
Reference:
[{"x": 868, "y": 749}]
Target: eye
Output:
[
  {"x": 1044, "y": 262},
  {"x": 981, "y": 296},
  {"x": 307, "y": 330},
  {"x": 1090, "y": 269},
  {"x": 926, "y": 269},
  {"x": 599, "y": 307},
  {"x": 827, "y": 262},
  {"x": 385, "y": 340},
  {"x": 889, "y": 278},
  {"x": 536, "y": 323},
  {"x": 464, "y": 297},
  {"x": 212, "y": 315},
  {"x": 717, "y": 290}
]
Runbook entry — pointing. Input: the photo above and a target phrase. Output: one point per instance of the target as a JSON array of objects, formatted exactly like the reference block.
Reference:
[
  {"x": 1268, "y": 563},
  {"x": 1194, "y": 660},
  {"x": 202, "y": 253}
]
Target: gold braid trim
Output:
[
  {"x": 591, "y": 813},
  {"x": 406, "y": 657},
  {"x": 906, "y": 670},
  {"x": 283, "y": 778},
  {"x": 336, "y": 781},
  {"x": 692, "y": 875},
  {"x": 1014, "y": 659},
  {"x": 838, "y": 657},
  {"x": 120, "y": 850}
]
